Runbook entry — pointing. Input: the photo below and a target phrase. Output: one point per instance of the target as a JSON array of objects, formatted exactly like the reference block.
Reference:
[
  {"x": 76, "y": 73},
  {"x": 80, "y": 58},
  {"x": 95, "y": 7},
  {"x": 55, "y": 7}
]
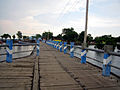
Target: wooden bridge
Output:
[{"x": 53, "y": 70}]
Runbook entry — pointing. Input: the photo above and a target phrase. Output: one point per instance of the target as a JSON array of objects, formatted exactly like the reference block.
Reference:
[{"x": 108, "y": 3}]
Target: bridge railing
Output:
[
  {"x": 107, "y": 60},
  {"x": 9, "y": 52}
]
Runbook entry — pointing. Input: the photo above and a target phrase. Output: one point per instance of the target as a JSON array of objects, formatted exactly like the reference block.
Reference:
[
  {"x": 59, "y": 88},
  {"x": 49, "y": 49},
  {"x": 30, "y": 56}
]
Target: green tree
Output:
[
  {"x": 24, "y": 37},
  {"x": 6, "y": 36},
  {"x": 89, "y": 38},
  {"x": 118, "y": 42},
  {"x": 38, "y": 36},
  {"x": 59, "y": 36},
  {"x": 33, "y": 37},
  {"x": 47, "y": 35},
  {"x": 70, "y": 35},
  {"x": 118, "y": 39},
  {"x": 19, "y": 34},
  {"x": 2, "y": 37},
  {"x": 105, "y": 40},
  {"x": 13, "y": 37},
  {"x": 81, "y": 37}
]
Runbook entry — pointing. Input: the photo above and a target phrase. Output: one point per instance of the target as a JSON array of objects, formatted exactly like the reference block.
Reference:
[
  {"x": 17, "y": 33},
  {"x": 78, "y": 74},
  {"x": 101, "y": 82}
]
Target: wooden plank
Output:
[
  {"x": 16, "y": 75},
  {"x": 59, "y": 72},
  {"x": 36, "y": 75}
]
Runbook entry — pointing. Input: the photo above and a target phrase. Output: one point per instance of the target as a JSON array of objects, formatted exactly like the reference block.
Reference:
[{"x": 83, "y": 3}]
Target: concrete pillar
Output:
[
  {"x": 65, "y": 47},
  {"x": 83, "y": 54},
  {"x": 72, "y": 49},
  {"x": 107, "y": 60},
  {"x": 60, "y": 47},
  {"x": 9, "y": 51},
  {"x": 38, "y": 47},
  {"x": 57, "y": 45}
]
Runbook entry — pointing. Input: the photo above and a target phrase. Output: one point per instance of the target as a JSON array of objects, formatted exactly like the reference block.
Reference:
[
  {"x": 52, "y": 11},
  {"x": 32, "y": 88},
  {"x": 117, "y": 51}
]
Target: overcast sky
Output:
[{"x": 37, "y": 16}]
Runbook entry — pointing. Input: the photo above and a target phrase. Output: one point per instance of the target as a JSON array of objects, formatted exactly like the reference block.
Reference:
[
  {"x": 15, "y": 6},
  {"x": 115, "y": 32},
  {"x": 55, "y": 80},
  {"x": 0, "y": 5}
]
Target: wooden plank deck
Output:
[
  {"x": 60, "y": 72},
  {"x": 53, "y": 70},
  {"x": 16, "y": 75}
]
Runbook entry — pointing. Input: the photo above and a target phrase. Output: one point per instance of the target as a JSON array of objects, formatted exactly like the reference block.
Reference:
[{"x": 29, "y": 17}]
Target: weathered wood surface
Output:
[
  {"x": 60, "y": 72},
  {"x": 17, "y": 75},
  {"x": 53, "y": 70}
]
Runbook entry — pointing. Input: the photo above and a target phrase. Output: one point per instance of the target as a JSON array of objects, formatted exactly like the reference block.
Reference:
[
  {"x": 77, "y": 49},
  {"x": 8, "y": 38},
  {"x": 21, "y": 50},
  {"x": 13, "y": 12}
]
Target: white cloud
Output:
[
  {"x": 7, "y": 26},
  {"x": 47, "y": 12},
  {"x": 30, "y": 26},
  {"x": 95, "y": 21},
  {"x": 97, "y": 25},
  {"x": 73, "y": 6}
]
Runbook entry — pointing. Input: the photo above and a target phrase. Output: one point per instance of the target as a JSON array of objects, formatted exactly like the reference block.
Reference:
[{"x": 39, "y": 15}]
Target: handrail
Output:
[
  {"x": 106, "y": 61},
  {"x": 99, "y": 61},
  {"x": 27, "y": 44},
  {"x": 9, "y": 50},
  {"x": 96, "y": 50},
  {"x": 100, "y": 51},
  {"x": 20, "y": 52}
]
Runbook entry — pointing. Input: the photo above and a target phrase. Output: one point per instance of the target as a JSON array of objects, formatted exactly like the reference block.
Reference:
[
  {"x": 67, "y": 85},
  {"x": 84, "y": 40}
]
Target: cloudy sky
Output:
[{"x": 37, "y": 16}]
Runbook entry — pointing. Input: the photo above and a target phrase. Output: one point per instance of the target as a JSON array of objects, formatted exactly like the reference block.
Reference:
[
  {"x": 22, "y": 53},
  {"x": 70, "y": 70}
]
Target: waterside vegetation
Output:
[{"x": 69, "y": 35}]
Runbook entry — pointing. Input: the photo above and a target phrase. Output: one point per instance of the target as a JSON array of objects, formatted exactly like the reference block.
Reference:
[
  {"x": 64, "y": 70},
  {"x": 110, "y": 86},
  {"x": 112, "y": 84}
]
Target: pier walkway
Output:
[{"x": 53, "y": 70}]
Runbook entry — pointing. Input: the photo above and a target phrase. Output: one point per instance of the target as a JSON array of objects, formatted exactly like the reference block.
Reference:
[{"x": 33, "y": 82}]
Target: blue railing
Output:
[
  {"x": 107, "y": 60},
  {"x": 9, "y": 49}
]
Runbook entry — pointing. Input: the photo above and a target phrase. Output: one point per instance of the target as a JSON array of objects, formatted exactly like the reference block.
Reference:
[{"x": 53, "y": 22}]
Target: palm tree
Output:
[
  {"x": 13, "y": 37},
  {"x": 6, "y": 36},
  {"x": 19, "y": 34}
]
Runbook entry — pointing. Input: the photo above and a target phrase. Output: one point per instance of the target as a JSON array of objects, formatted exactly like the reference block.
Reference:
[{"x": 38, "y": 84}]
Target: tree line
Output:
[
  {"x": 70, "y": 35},
  {"x": 20, "y": 36}
]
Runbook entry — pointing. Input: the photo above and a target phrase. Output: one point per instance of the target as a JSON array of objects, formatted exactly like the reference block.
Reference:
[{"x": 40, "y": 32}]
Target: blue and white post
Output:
[
  {"x": 9, "y": 51},
  {"x": 38, "y": 47},
  {"x": 83, "y": 54},
  {"x": 107, "y": 60},
  {"x": 60, "y": 47},
  {"x": 65, "y": 47},
  {"x": 55, "y": 44},
  {"x": 72, "y": 49}
]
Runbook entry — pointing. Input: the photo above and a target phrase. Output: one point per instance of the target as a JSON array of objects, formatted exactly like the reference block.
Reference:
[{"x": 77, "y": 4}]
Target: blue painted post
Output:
[
  {"x": 83, "y": 53},
  {"x": 43, "y": 41},
  {"x": 83, "y": 56},
  {"x": 65, "y": 47},
  {"x": 55, "y": 44},
  {"x": 47, "y": 42},
  {"x": 9, "y": 51},
  {"x": 107, "y": 60},
  {"x": 72, "y": 49},
  {"x": 38, "y": 47},
  {"x": 60, "y": 47},
  {"x": 50, "y": 43}
]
